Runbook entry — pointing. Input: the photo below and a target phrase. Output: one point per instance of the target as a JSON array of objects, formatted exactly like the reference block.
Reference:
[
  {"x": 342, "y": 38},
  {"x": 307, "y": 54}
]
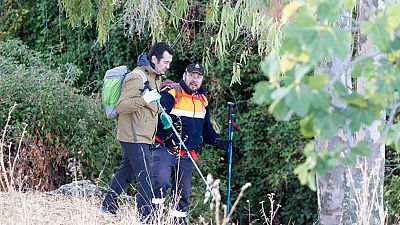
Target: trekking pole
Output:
[
  {"x": 230, "y": 139},
  {"x": 147, "y": 86}
]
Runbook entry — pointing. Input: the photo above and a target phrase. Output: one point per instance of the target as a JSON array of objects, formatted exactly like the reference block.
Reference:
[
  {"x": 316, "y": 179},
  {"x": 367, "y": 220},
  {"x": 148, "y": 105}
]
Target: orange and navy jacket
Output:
[{"x": 190, "y": 116}]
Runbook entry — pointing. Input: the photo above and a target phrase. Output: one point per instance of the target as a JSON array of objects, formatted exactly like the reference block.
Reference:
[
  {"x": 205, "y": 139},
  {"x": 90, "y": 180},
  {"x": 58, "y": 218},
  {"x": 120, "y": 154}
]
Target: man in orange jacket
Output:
[{"x": 187, "y": 106}]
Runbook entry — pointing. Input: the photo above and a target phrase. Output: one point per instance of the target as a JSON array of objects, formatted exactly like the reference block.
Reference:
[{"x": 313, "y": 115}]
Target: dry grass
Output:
[
  {"x": 44, "y": 208},
  {"x": 39, "y": 208}
]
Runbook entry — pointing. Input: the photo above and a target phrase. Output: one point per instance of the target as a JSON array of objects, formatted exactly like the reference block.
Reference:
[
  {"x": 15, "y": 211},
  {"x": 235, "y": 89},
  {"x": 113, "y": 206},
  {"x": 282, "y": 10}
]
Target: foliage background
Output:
[{"x": 54, "y": 73}]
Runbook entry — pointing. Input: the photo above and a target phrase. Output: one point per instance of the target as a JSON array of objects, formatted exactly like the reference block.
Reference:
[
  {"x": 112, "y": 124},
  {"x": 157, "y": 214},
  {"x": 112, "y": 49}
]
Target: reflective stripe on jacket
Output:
[{"x": 190, "y": 116}]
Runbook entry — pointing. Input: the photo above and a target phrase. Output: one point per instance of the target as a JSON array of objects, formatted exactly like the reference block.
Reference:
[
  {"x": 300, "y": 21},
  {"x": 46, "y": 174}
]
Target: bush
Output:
[
  {"x": 63, "y": 125},
  {"x": 392, "y": 185}
]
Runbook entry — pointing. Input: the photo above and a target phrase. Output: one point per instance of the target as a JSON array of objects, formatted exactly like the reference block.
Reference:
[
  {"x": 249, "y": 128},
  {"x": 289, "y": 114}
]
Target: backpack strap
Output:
[
  {"x": 203, "y": 100},
  {"x": 142, "y": 74},
  {"x": 144, "y": 78},
  {"x": 169, "y": 85},
  {"x": 178, "y": 92}
]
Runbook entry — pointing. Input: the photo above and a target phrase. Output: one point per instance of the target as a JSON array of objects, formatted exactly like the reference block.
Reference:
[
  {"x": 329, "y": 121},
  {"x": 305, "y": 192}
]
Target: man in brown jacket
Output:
[{"x": 137, "y": 125}]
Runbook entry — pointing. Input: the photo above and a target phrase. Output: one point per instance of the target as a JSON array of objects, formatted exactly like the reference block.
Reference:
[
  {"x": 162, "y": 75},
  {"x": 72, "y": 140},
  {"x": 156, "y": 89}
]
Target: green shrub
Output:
[
  {"x": 270, "y": 152},
  {"x": 62, "y": 123},
  {"x": 392, "y": 185}
]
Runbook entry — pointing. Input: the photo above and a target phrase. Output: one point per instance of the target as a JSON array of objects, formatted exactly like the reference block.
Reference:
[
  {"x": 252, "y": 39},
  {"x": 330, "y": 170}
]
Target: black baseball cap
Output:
[{"x": 195, "y": 68}]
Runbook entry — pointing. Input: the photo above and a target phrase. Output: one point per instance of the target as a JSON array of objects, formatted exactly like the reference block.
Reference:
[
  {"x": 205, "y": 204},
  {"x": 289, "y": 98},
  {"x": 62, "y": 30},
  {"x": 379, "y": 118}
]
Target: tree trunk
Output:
[
  {"x": 353, "y": 194},
  {"x": 333, "y": 189},
  {"x": 368, "y": 173}
]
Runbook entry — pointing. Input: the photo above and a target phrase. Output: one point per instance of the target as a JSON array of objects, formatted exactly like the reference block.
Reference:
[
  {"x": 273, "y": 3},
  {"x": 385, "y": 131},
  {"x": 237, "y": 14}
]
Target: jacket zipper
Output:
[{"x": 194, "y": 106}]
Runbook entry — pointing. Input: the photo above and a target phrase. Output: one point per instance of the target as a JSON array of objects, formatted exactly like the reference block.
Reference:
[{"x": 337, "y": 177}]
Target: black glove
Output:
[{"x": 224, "y": 145}]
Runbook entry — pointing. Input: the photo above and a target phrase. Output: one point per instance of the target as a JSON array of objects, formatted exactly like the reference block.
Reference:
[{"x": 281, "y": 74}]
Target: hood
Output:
[
  {"x": 143, "y": 60},
  {"x": 188, "y": 91}
]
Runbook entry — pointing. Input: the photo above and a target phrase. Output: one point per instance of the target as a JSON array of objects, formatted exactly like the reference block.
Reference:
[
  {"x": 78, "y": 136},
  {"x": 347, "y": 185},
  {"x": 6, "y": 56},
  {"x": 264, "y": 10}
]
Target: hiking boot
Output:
[{"x": 105, "y": 211}]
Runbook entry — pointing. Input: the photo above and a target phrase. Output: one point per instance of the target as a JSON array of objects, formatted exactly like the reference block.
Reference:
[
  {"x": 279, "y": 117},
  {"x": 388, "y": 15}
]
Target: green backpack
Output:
[{"x": 112, "y": 85}]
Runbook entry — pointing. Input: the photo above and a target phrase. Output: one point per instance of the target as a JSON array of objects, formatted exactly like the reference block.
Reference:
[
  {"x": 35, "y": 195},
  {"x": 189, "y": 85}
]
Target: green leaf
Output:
[
  {"x": 290, "y": 45},
  {"x": 309, "y": 149},
  {"x": 340, "y": 88},
  {"x": 236, "y": 68},
  {"x": 370, "y": 114},
  {"x": 362, "y": 68},
  {"x": 299, "y": 100},
  {"x": 311, "y": 181},
  {"x": 316, "y": 50},
  {"x": 279, "y": 109},
  {"x": 329, "y": 10},
  {"x": 350, "y": 159},
  {"x": 376, "y": 28},
  {"x": 306, "y": 171},
  {"x": 302, "y": 172},
  {"x": 361, "y": 149},
  {"x": 270, "y": 66},
  {"x": 262, "y": 93},
  {"x": 394, "y": 136},
  {"x": 306, "y": 35},
  {"x": 326, "y": 124},
  {"x": 393, "y": 17},
  {"x": 326, "y": 161},
  {"x": 300, "y": 70},
  {"x": 331, "y": 161},
  {"x": 359, "y": 116},
  {"x": 307, "y": 126},
  {"x": 280, "y": 93},
  {"x": 320, "y": 99},
  {"x": 306, "y": 18},
  {"x": 317, "y": 82},
  {"x": 286, "y": 63},
  {"x": 339, "y": 116},
  {"x": 336, "y": 42},
  {"x": 355, "y": 99}
]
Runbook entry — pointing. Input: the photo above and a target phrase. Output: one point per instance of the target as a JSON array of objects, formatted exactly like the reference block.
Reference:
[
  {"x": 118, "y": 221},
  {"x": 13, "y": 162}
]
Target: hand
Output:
[
  {"x": 151, "y": 96},
  {"x": 224, "y": 145},
  {"x": 166, "y": 120}
]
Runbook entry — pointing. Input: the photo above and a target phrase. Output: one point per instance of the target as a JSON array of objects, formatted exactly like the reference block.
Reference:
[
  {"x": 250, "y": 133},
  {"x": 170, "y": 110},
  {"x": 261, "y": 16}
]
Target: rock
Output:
[{"x": 82, "y": 188}]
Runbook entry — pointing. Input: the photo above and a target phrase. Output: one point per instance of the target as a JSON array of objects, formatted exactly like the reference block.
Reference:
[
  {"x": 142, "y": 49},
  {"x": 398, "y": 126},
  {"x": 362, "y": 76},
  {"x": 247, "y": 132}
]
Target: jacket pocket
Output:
[{"x": 146, "y": 125}]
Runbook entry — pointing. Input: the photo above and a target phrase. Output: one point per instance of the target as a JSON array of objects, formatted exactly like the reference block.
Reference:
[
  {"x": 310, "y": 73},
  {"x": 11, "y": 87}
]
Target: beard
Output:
[{"x": 193, "y": 87}]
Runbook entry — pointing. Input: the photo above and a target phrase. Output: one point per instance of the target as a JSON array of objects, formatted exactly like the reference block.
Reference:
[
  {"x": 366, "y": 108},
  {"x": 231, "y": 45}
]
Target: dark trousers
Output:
[
  {"x": 165, "y": 166},
  {"x": 135, "y": 163}
]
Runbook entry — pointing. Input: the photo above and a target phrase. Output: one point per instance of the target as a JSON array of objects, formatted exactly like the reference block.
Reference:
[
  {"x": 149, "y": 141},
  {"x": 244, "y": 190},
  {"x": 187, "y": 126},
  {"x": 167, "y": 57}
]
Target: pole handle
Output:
[{"x": 230, "y": 108}]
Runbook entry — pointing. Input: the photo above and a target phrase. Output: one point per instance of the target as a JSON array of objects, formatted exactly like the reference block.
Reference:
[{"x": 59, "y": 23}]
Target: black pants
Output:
[
  {"x": 164, "y": 165},
  {"x": 135, "y": 163}
]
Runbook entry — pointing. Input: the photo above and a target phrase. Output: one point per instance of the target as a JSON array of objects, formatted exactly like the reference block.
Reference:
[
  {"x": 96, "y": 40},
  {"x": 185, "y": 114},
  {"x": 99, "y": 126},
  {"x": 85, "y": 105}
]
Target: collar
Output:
[{"x": 143, "y": 60}]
